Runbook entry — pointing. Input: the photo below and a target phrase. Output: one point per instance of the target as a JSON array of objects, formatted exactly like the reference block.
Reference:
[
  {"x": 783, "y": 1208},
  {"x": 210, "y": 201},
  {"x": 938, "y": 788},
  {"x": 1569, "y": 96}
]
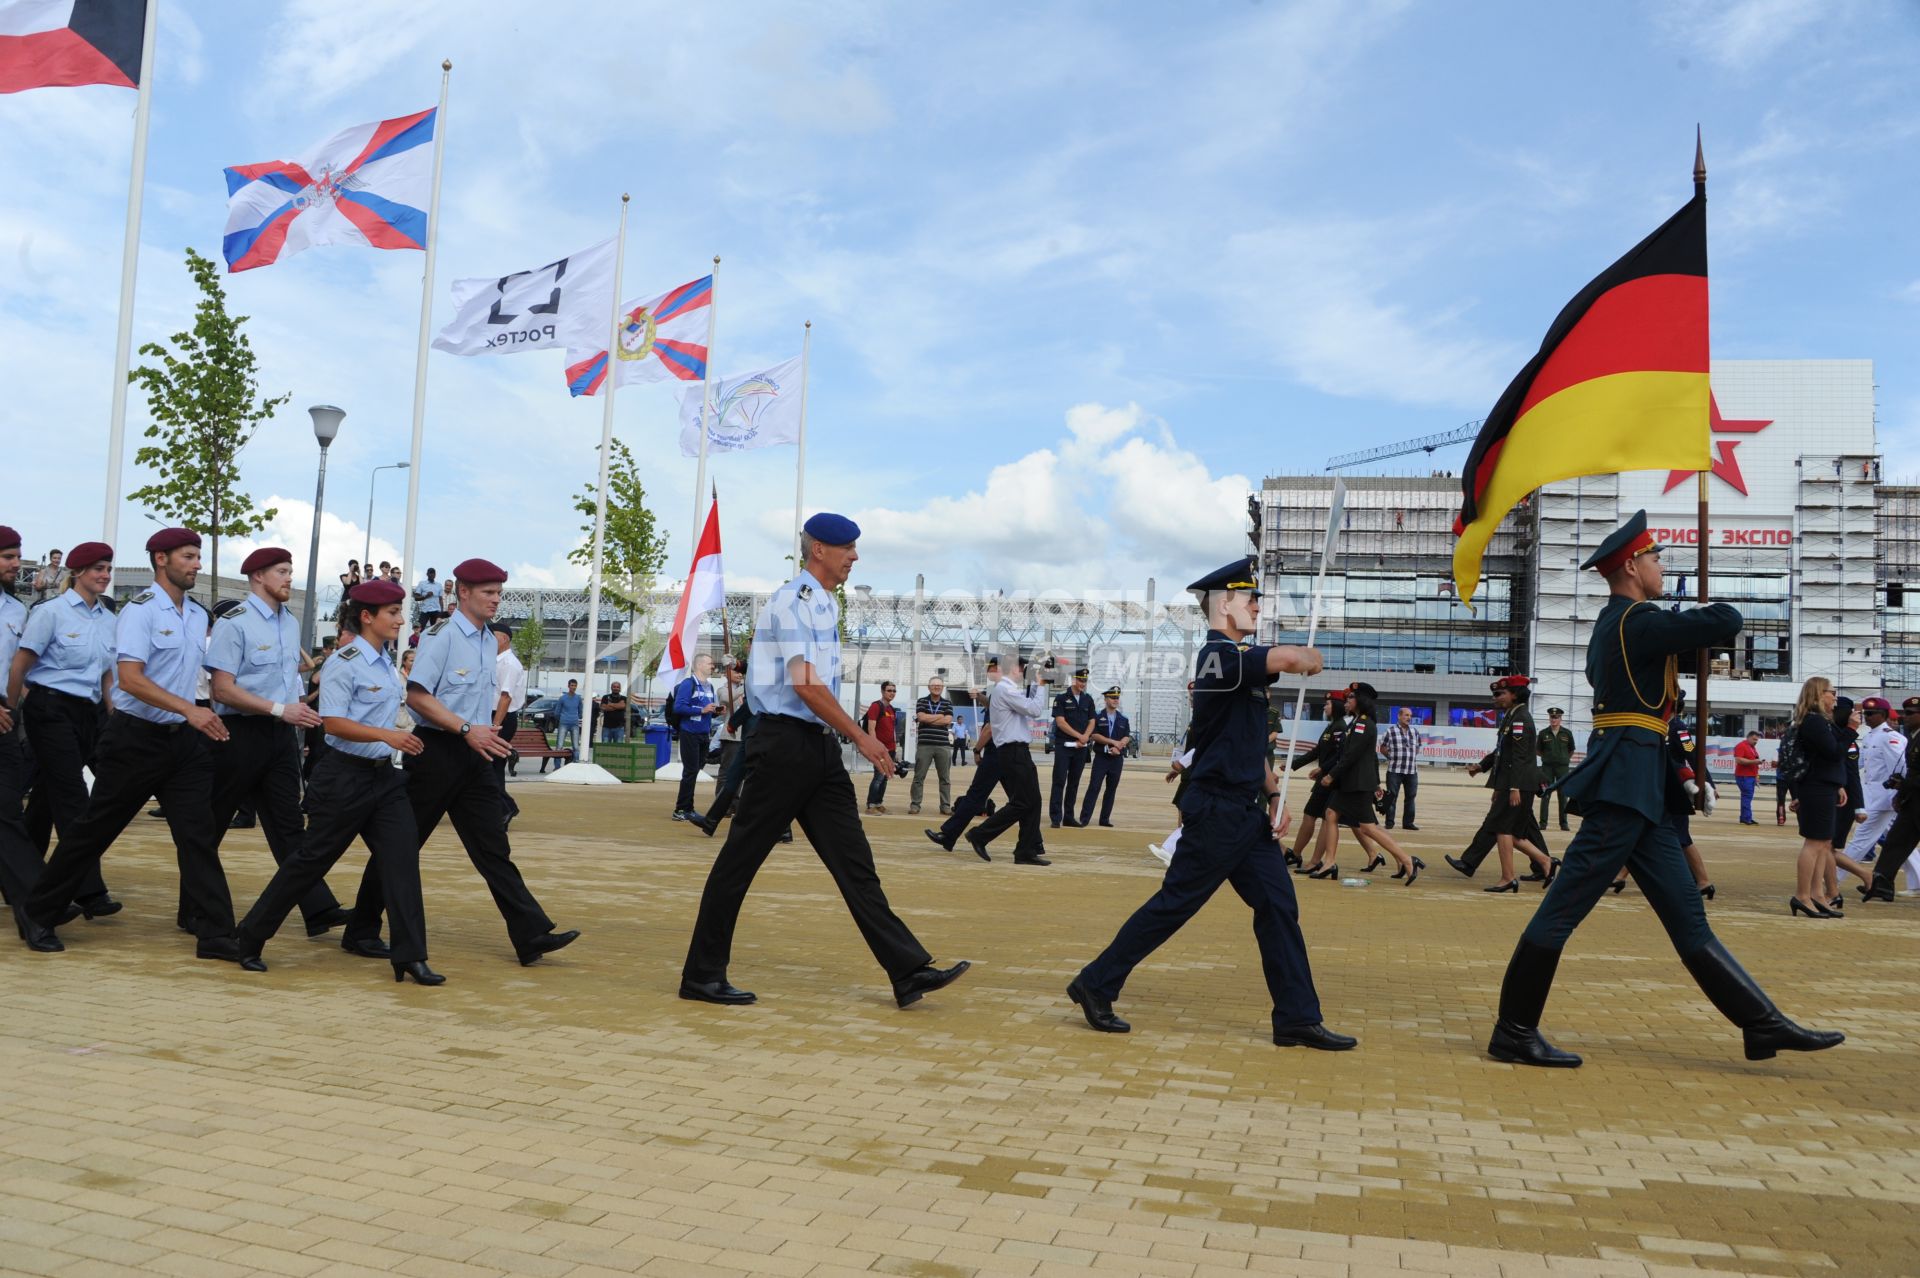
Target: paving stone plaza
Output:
[{"x": 169, "y": 1116}]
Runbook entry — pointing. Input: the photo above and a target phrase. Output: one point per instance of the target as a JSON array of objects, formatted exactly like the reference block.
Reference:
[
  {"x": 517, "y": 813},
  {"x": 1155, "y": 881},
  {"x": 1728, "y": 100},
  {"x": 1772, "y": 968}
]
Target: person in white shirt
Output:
[
  {"x": 1014, "y": 704},
  {"x": 511, "y": 678},
  {"x": 1882, "y": 752}
]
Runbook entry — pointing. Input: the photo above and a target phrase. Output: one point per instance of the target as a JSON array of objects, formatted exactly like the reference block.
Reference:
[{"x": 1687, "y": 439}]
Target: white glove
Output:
[{"x": 1713, "y": 797}]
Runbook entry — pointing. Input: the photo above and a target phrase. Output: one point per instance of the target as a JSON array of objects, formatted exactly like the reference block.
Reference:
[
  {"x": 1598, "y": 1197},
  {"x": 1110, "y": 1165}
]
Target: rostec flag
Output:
[
  {"x": 50, "y": 44},
  {"x": 662, "y": 339},
  {"x": 532, "y": 310},
  {"x": 706, "y": 591},
  {"x": 1620, "y": 383},
  {"x": 365, "y": 185}
]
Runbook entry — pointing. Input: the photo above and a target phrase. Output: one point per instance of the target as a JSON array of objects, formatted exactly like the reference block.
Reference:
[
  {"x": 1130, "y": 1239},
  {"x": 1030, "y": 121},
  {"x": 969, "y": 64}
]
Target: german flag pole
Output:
[{"x": 1702, "y": 659}]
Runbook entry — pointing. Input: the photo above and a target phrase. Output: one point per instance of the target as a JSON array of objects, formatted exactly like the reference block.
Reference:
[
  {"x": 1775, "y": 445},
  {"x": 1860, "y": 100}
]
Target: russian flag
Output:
[
  {"x": 46, "y": 44},
  {"x": 367, "y": 185}
]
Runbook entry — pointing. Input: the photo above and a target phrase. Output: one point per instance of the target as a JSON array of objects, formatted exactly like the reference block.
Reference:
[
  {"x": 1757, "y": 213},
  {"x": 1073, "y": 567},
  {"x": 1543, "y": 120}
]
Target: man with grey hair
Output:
[{"x": 933, "y": 725}]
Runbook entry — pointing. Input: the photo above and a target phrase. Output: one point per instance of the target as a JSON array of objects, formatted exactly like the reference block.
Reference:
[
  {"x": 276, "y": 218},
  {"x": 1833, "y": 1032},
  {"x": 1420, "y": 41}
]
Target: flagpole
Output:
[
  {"x": 1313, "y": 627},
  {"x": 1702, "y": 658},
  {"x": 706, "y": 396},
  {"x": 585, "y": 753},
  {"x": 411, "y": 571},
  {"x": 800, "y": 470},
  {"x": 129, "y": 269},
  {"x": 726, "y": 630}
]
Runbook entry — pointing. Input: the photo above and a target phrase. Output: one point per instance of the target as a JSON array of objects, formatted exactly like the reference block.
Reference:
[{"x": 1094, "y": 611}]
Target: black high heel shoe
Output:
[
  {"x": 419, "y": 971},
  {"x": 1375, "y": 864},
  {"x": 1796, "y": 906},
  {"x": 1292, "y": 858},
  {"x": 1706, "y": 893},
  {"x": 1617, "y": 886},
  {"x": 1553, "y": 868},
  {"x": 1414, "y": 873},
  {"x": 1837, "y": 904},
  {"x": 1826, "y": 911},
  {"x": 1325, "y": 872},
  {"x": 1418, "y": 865},
  {"x": 1511, "y": 885}
]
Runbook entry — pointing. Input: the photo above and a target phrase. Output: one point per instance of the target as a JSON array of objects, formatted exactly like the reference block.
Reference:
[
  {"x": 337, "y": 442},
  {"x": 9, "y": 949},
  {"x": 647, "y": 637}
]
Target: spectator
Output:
[
  {"x": 567, "y": 735},
  {"x": 959, "y": 740},
  {"x": 510, "y": 677},
  {"x": 732, "y": 729},
  {"x": 934, "y": 716},
  {"x": 393, "y": 573},
  {"x": 1746, "y": 774},
  {"x": 693, "y": 704},
  {"x": 426, "y": 600},
  {"x": 386, "y": 569},
  {"x": 353, "y": 572},
  {"x": 613, "y": 715},
  {"x": 882, "y": 720},
  {"x": 47, "y": 582},
  {"x": 1401, "y": 745}
]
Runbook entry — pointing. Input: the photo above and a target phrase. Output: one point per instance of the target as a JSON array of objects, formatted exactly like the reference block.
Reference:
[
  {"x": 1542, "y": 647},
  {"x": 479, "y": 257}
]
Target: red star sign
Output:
[{"x": 1726, "y": 465}]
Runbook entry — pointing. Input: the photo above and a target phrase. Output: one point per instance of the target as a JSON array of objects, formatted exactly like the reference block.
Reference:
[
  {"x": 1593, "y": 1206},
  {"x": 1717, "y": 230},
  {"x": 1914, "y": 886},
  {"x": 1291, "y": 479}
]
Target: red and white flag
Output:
[
  {"x": 706, "y": 591},
  {"x": 47, "y": 44}
]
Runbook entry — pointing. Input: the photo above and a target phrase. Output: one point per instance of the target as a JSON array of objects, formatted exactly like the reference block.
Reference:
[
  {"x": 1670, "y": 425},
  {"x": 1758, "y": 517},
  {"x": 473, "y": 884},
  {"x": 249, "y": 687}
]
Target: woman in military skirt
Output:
[
  {"x": 1818, "y": 796},
  {"x": 1353, "y": 782},
  {"x": 1313, "y": 814}
]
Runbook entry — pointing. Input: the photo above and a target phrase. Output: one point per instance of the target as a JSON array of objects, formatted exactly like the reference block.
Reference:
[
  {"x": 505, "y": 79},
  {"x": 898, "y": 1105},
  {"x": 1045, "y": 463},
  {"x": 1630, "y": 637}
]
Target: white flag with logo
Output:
[
  {"x": 757, "y": 410},
  {"x": 544, "y": 309}
]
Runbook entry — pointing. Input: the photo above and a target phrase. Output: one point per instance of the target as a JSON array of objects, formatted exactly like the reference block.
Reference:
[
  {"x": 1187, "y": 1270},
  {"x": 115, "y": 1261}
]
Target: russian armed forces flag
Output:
[{"x": 49, "y": 44}]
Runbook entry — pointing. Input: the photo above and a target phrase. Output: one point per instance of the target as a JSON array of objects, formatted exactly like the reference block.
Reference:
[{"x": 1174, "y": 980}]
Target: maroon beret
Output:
[
  {"x": 8, "y": 537},
  {"x": 377, "y": 593},
  {"x": 265, "y": 557},
  {"x": 479, "y": 572},
  {"x": 171, "y": 539},
  {"x": 87, "y": 554}
]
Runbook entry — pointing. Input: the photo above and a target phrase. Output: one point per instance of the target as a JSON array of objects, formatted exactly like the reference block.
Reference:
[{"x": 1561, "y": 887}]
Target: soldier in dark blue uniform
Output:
[
  {"x": 1112, "y": 734},
  {"x": 1627, "y": 795},
  {"x": 1228, "y": 823},
  {"x": 1072, "y": 726}
]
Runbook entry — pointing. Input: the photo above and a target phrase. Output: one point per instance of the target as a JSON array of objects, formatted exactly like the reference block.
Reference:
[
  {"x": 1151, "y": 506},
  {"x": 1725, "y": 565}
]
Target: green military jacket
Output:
[
  {"x": 1511, "y": 766},
  {"x": 1556, "y": 749}
]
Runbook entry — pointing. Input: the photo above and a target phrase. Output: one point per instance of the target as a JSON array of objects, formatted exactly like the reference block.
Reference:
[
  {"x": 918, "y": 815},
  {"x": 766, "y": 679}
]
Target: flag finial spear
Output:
[
  {"x": 1699, "y": 164},
  {"x": 446, "y": 64}
]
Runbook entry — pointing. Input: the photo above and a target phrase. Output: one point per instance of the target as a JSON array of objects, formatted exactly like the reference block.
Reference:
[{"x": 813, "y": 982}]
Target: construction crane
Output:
[{"x": 1425, "y": 444}]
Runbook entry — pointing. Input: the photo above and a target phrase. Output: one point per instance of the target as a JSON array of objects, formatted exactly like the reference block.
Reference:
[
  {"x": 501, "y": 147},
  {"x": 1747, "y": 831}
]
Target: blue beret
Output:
[
  {"x": 832, "y": 530},
  {"x": 1238, "y": 575}
]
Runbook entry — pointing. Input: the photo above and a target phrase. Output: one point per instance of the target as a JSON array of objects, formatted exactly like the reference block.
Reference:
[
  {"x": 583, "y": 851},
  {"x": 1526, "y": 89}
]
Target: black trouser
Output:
[
  {"x": 316, "y": 743},
  {"x": 259, "y": 765},
  {"x": 19, "y": 858},
  {"x": 1554, "y": 774},
  {"x": 1902, "y": 836},
  {"x": 1398, "y": 784},
  {"x": 1106, "y": 773},
  {"x": 350, "y": 796},
  {"x": 1223, "y": 839},
  {"x": 693, "y": 757},
  {"x": 450, "y": 778},
  {"x": 1063, "y": 790},
  {"x": 979, "y": 790},
  {"x": 1022, "y": 784},
  {"x": 63, "y": 731},
  {"x": 1484, "y": 839},
  {"x": 732, "y": 772},
  {"x": 794, "y": 773},
  {"x": 508, "y": 726},
  {"x": 137, "y": 759}
]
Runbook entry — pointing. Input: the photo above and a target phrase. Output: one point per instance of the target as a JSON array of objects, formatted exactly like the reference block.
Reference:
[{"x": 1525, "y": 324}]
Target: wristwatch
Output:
[{"x": 465, "y": 728}]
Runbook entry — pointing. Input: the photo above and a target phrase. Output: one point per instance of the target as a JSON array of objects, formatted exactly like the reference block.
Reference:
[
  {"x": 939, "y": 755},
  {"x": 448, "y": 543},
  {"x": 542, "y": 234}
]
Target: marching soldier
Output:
[
  {"x": 1513, "y": 776},
  {"x": 1555, "y": 745},
  {"x": 1228, "y": 822},
  {"x": 795, "y": 773},
  {"x": 1313, "y": 813},
  {"x": 156, "y": 744},
  {"x": 1072, "y": 729},
  {"x": 254, "y": 658},
  {"x": 1112, "y": 734},
  {"x": 1626, "y": 794},
  {"x": 977, "y": 801},
  {"x": 19, "y": 859},
  {"x": 1904, "y": 834}
]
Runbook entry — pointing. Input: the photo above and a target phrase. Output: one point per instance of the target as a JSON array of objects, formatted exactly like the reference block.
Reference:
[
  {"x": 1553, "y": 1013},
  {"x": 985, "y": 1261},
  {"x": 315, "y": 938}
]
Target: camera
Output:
[{"x": 901, "y": 767}]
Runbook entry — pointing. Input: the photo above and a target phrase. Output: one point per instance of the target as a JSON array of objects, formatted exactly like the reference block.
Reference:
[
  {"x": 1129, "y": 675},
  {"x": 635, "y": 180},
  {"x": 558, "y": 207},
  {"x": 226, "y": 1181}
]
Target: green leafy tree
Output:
[
  {"x": 530, "y": 643},
  {"x": 205, "y": 403},
  {"x": 634, "y": 546}
]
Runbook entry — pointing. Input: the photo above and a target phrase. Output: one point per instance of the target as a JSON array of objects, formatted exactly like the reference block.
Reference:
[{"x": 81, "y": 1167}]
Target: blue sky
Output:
[{"x": 1079, "y": 273}]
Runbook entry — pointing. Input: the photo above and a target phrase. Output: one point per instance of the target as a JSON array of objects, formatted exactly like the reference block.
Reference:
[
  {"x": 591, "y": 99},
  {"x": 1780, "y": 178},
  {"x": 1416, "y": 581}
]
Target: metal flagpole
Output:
[
  {"x": 129, "y": 268},
  {"x": 706, "y": 398},
  {"x": 606, "y": 458},
  {"x": 411, "y": 572},
  {"x": 1702, "y": 658},
  {"x": 1313, "y": 627},
  {"x": 800, "y": 468},
  {"x": 726, "y": 629}
]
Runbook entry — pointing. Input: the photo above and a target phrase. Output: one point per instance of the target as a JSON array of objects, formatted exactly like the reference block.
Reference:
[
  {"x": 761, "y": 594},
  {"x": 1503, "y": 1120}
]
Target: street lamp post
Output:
[
  {"x": 326, "y": 425},
  {"x": 366, "y": 552}
]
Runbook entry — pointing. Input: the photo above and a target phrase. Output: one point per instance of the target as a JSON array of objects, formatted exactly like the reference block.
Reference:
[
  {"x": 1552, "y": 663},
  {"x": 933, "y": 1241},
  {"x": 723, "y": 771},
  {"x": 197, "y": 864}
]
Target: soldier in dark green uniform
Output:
[
  {"x": 1626, "y": 795},
  {"x": 1556, "y": 760},
  {"x": 1513, "y": 776}
]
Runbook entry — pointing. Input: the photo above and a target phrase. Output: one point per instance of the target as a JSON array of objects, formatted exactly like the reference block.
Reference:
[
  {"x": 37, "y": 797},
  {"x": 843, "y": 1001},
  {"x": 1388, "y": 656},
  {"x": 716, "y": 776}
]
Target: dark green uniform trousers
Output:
[{"x": 1610, "y": 836}]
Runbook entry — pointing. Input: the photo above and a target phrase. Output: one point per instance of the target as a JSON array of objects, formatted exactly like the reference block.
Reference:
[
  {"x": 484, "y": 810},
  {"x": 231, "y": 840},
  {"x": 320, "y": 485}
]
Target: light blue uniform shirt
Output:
[
  {"x": 13, "y": 624},
  {"x": 259, "y": 645},
  {"x": 171, "y": 642},
  {"x": 455, "y": 663},
  {"x": 358, "y": 682},
  {"x": 801, "y": 619},
  {"x": 72, "y": 643}
]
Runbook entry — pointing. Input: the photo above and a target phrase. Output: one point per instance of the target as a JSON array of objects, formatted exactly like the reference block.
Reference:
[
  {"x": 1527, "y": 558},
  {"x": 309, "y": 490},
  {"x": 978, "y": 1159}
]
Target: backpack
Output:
[
  {"x": 671, "y": 711},
  {"x": 1791, "y": 768}
]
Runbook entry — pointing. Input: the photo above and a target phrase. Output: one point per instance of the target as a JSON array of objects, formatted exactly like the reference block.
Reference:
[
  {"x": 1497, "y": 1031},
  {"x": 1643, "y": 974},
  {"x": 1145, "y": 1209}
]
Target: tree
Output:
[
  {"x": 530, "y": 642},
  {"x": 633, "y": 549},
  {"x": 205, "y": 404}
]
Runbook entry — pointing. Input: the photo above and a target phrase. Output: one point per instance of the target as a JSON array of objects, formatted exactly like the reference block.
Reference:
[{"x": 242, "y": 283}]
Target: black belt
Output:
[
  {"x": 358, "y": 761},
  {"x": 808, "y": 725},
  {"x": 148, "y": 726},
  {"x": 44, "y": 691}
]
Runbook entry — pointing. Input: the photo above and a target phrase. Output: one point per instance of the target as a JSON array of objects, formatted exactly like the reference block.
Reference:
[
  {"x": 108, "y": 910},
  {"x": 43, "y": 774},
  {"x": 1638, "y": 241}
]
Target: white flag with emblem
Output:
[
  {"x": 757, "y": 410},
  {"x": 545, "y": 309}
]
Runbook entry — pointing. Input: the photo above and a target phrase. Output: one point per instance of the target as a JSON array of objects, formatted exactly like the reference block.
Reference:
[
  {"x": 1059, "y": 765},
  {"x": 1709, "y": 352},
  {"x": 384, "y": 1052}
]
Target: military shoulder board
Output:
[
  {"x": 806, "y": 592},
  {"x": 436, "y": 627},
  {"x": 142, "y": 597},
  {"x": 347, "y": 654}
]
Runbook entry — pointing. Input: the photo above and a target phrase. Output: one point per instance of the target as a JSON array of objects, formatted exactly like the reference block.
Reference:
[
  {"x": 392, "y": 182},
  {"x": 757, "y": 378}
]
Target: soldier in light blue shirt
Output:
[
  {"x": 19, "y": 859},
  {"x": 356, "y": 792},
  {"x": 155, "y": 745},
  {"x": 253, "y": 656},
  {"x": 58, "y": 682},
  {"x": 794, "y": 772}
]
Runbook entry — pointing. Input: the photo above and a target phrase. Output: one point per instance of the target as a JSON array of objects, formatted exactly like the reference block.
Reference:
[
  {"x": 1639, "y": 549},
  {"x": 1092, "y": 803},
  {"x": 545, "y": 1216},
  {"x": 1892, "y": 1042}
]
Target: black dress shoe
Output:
[
  {"x": 1071, "y": 824},
  {"x": 227, "y": 949},
  {"x": 1314, "y": 1036},
  {"x": 530, "y": 953},
  {"x": 419, "y": 971},
  {"x": 1876, "y": 894},
  {"x": 327, "y": 920},
  {"x": 242, "y": 823},
  {"x": 373, "y": 947},
  {"x": 40, "y": 940},
  {"x": 1053, "y": 825},
  {"x": 1522, "y": 1045},
  {"x": 938, "y": 842},
  {"x": 715, "y": 992},
  {"x": 1107, "y": 824},
  {"x": 1457, "y": 864},
  {"x": 1410, "y": 826},
  {"x": 101, "y": 908},
  {"x": 979, "y": 848},
  {"x": 1097, "y": 1010},
  {"x": 1031, "y": 860},
  {"x": 917, "y": 985},
  {"x": 699, "y": 823}
]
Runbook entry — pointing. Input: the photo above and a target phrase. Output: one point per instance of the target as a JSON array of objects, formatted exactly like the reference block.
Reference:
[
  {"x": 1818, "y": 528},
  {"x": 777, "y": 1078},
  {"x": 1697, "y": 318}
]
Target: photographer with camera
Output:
[
  {"x": 882, "y": 720},
  {"x": 1013, "y": 705}
]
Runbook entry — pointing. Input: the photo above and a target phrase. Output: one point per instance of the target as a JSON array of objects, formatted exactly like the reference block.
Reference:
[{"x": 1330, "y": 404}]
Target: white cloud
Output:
[{"x": 1741, "y": 34}]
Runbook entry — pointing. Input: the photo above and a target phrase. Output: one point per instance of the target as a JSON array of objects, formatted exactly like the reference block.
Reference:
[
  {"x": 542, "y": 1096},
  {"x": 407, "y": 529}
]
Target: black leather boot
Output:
[
  {"x": 1523, "y": 996},
  {"x": 1766, "y": 1031}
]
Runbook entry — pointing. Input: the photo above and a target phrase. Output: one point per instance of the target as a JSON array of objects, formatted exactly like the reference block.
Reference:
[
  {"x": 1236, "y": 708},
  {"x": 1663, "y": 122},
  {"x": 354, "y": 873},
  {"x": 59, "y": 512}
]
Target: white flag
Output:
[
  {"x": 757, "y": 410},
  {"x": 545, "y": 309}
]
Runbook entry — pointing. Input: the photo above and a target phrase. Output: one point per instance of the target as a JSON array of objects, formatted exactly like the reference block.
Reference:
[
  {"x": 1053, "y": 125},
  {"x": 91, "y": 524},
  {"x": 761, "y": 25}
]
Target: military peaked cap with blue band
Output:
[
  {"x": 832, "y": 530},
  {"x": 1238, "y": 575},
  {"x": 1622, "y": 545}
]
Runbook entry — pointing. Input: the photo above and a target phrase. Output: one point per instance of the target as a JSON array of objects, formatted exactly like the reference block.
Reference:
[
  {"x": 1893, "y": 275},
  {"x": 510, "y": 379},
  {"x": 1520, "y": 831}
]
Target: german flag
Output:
[{"x": 1620, "y": 383}]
